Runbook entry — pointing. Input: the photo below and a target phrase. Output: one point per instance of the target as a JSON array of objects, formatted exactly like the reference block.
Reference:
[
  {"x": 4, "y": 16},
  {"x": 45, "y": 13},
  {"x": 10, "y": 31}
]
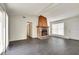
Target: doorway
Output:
[{"x": 29, "y": 30}]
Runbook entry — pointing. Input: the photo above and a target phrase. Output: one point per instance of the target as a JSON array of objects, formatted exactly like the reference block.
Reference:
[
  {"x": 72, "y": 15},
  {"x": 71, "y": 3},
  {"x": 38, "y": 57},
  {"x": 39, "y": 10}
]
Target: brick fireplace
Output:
[{"x": 42, "y": 28}]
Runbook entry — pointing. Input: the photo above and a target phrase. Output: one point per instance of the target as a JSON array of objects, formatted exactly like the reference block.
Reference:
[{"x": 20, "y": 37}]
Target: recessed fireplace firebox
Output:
[
  {"x": 44, "y": 32},
  {"x": 42, "y": 28}
]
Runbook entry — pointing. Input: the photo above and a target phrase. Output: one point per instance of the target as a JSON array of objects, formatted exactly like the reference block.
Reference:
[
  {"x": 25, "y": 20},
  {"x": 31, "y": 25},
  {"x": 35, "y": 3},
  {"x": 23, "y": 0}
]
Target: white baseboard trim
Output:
[
  {"x": 17, "y": 40},
  {"x": 63, "y": 37}
]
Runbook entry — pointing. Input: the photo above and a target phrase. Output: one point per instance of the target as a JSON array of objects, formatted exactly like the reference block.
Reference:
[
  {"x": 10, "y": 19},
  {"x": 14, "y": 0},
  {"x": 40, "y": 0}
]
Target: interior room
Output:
[{"x": 39, "y": 28}]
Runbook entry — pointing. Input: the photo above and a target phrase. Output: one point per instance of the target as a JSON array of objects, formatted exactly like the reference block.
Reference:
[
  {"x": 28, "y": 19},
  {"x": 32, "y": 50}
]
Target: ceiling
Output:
[
  {"x": 25, "y": 8},
  {"x": 51, "y": 10}
]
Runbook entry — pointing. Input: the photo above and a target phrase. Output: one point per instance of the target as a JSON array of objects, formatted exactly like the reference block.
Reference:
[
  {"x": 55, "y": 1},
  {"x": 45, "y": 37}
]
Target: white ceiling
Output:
[
  {"x": 51, "y": 10},
  {"x": 25, "y": 8}
]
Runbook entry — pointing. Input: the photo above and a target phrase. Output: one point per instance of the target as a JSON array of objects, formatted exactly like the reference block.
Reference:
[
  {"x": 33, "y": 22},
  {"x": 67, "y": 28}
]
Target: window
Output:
[{"x": 58, "y": 28}]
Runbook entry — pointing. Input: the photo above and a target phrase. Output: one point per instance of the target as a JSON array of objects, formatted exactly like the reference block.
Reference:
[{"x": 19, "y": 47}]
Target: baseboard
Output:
[
  {"x": 73, "y": 39},
  {"x": 35, "y": 38},
  {"x": 58, "y": 36},
  {"x": 62, "y": 37},
  {"x": 4, "y": 52},
  {"x": 18, "y": 40}
]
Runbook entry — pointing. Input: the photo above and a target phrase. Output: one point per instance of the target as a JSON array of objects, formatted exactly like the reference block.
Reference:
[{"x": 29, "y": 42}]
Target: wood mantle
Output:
[{"x": 42, "y": 26}]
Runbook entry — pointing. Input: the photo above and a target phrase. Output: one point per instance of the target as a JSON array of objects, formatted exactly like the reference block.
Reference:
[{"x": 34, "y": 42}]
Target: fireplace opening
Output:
[{"x": 44, "y": 32}]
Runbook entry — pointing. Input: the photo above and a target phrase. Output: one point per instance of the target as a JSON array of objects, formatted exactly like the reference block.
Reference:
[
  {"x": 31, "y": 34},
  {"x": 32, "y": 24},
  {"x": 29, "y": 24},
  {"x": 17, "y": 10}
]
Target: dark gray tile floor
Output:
[{"x": 52, "y": 46}]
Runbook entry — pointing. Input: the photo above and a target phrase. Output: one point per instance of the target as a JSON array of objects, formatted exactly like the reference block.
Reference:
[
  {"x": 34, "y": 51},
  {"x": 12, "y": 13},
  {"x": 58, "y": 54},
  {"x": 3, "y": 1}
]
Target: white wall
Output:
[
  {"x": 48, "y": 22},
  {"x": 18, "y": 27},
  {"x": 72, "y": 27}
]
